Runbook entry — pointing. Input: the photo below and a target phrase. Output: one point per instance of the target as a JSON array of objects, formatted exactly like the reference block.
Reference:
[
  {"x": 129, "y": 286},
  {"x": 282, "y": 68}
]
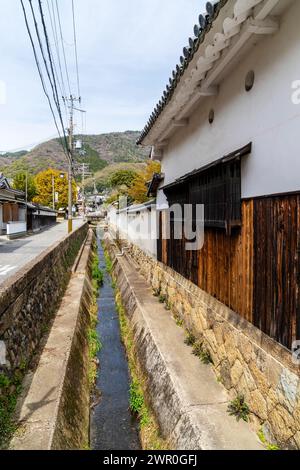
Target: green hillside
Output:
[{"x": 100, "y": 151}]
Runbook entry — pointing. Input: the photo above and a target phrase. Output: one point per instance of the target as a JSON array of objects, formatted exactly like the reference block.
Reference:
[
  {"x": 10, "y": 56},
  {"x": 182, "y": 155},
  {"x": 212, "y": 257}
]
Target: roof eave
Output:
[{"x": 200, "y": 83}]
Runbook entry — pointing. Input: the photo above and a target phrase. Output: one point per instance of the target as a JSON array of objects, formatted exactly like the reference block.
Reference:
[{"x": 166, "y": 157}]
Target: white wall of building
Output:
[
  {"x": 266, "y": 116},
  {"x": 138, "y": 225}
]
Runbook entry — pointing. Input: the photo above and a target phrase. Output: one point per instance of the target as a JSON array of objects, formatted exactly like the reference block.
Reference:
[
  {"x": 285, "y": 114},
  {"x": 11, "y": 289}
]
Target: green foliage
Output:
[
  {"x": 136, "y": 397},
  {"x": 149, "y": 429},
  {"x": 190, "y": 339},
  {"x": 92, "y": 158},
  {"x": 156, "y": 292},
  {"x": 122, "y": 178},
  {"x": 264, "y": 441},
  {"x": 94, "y": 343},
  {"x": 239, "y": 408},
  {"x": 19, "y": 182},
  {"x": 15, "y": 155},
  {"x": 202, "y": 353},
  {"x": 93, "y": 337},
  {"x": 108, "y": 262},
  {"x": 97, "y": 274},
  {"x": 10, "y": 388},
  {"x": 162, "y": 298},
  {"x": 102, "y": 177},
  {"x": 178, "y": 320},
  {"x": 139, "y": 189}
]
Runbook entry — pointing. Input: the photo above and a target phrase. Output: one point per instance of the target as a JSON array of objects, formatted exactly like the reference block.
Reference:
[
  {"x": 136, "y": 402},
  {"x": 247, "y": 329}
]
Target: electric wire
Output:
[
  {"x": 52, "y": 17},
  {"x": 55, "y": 92},
  {"x": 56, "y": 80},
  {"x": 76, "y": 50},
  {"x": 63, "y": 47},
  {"x": 40, "y": 73}
]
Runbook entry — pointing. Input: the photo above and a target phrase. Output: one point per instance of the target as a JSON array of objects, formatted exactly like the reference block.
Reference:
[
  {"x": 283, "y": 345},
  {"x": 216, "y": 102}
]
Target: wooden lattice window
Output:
[{"x": 217, "y": 187}]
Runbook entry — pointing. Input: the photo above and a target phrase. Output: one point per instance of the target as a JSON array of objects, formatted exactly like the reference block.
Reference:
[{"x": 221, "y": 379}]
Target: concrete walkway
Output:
[
  {"x": 14, "y": 254},
  {"x": 190, "y": 404}
]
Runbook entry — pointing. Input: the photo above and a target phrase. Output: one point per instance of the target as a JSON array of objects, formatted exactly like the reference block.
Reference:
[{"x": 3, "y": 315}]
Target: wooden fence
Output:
[{"x": 255, "y": 270}]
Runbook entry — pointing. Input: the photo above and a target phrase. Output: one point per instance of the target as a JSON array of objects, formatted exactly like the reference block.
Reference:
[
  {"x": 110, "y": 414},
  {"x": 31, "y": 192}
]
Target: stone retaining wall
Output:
[
  {"x": 245, "y": 360},
  {"x": 59, "y": 387},
  {"x": 29, "y": 299}
]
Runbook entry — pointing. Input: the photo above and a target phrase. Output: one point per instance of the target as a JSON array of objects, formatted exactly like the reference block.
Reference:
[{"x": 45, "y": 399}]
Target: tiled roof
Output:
[
  {"x": 200, "y": 30},
  {"x": 3, "y": 182}
]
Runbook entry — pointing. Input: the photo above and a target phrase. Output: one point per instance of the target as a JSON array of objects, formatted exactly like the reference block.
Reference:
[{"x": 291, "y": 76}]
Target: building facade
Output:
[
  {"x": 12, "y": 210},
  {"x": 226, "y": 132},
  {"x": 17, "y": 217}
]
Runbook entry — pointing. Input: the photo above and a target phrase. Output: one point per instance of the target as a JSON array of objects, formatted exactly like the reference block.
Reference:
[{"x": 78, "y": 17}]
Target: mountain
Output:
[{"x": 100, "y": 150}]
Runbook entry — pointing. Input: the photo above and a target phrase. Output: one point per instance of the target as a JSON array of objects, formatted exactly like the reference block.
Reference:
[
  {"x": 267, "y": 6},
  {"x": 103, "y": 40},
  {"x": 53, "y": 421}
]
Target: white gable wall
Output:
[{"x": 266, "y": 116}]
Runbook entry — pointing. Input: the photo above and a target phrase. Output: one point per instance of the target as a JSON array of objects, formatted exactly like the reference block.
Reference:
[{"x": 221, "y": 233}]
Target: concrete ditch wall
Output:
[
  {"x": 54, "y": 414},
  {"x": 246, "y": 361},
  {"x": 29, "y": 299},
  {"x": 189, "y": 404}
]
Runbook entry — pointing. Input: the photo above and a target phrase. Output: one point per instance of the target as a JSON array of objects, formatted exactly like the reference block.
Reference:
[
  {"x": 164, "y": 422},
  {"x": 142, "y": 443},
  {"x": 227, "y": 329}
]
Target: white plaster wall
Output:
[
  {"x": 266, "y": 116},
  {"x": 138, "y": 227}
]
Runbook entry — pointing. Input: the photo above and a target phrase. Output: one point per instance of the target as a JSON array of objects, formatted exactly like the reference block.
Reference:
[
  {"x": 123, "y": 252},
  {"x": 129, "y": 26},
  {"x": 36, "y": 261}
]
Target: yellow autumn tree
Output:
[
  {"x": 138, "y": 190},
  {"x": 44, "y": 185}
]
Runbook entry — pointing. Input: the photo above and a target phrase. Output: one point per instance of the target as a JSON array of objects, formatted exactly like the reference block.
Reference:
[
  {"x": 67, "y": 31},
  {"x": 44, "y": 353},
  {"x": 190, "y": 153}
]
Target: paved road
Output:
[{"x": 14, "y": 254}]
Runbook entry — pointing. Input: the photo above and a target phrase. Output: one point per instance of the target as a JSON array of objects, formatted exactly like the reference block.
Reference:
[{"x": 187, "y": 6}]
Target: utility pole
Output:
[
  {"x": 26, "y": 188},
  {"x": 26, "y": 197},
  {"x": 83, "y": 169},
  {"x": 53, "y": 192},
  {"x": 71, "y": 102}
]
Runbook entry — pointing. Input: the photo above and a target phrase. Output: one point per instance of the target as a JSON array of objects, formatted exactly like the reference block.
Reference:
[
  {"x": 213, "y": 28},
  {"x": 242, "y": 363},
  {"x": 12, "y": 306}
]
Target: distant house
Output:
[
  {"x": 227, "y": 133},
  {"x": 18, "y": 217},
  {"x": 40, "y": 217},
  {"x": 12, "y": 210}
]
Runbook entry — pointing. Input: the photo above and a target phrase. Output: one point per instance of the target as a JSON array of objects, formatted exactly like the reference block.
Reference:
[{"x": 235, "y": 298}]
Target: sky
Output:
[{"x": 127, "y": 50}]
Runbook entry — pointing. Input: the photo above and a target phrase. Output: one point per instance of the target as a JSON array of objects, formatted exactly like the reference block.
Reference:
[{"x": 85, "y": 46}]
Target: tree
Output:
[
  {"x": 19, "y": 182},
  {"x": 122, "y": 178},
  {"x": 44, "y": 185},
  {"x": 138, "y": 190}
]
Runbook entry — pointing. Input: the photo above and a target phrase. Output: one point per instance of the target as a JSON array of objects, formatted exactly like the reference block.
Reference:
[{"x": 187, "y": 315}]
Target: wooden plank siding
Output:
[
  {"x": 276, "y": 267},
  {"x": 256, "y": 270}
]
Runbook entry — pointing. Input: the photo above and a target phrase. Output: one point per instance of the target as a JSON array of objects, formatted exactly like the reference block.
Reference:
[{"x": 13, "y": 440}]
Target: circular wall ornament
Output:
[
  {"x": 211, "y": 116},
  {"x": 249, "y": 81}
]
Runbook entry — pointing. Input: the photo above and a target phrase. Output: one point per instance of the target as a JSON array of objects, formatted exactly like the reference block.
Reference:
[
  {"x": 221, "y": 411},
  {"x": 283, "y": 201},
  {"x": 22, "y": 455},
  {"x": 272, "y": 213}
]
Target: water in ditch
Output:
[{"x": 112, "y": 424}]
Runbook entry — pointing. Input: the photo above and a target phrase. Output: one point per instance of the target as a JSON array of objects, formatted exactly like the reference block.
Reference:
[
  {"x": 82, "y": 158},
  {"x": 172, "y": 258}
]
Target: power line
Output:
[
  {"x": 75, "y": 47},
  {"x": 56, "y": 43},
  {"x": 40, "y": 70},
  {"x": 42, "y": 51},
  {"x": 63, "y": 47},
  {"x": 53, "y": 73}
]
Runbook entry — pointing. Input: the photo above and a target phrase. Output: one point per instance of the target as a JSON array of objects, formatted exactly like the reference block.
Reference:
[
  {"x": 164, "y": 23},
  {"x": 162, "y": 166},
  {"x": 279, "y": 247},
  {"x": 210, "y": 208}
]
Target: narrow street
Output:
[
  {"x": 14, "y": 254},
  {"x": 112, "y": 425}
]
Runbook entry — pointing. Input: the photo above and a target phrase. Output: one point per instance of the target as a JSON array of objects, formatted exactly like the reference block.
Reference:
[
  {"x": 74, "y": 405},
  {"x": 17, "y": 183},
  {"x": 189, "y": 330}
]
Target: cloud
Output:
[{"x": 127, "y": 50}]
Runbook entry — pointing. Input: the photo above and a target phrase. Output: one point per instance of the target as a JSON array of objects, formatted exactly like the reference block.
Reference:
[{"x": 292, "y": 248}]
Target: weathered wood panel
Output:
[
  {"x": 276, "y": 266},
  {"x": 224, "y": 266},
  {"x": 7, "y": 213},
  {"x": 256, "y": 270}
]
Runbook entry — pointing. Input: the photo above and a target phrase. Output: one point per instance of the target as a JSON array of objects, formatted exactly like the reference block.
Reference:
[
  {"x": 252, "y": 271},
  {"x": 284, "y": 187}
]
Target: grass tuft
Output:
[
  {"x": 190, "y": 339},
  {"x": 97, "y": 274},
  {"x": 202, "y": 353},
  {"x": 10, "y": 388},
  {"x": 264, "y": 441},
  {"x": 239, "y": 408}
]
